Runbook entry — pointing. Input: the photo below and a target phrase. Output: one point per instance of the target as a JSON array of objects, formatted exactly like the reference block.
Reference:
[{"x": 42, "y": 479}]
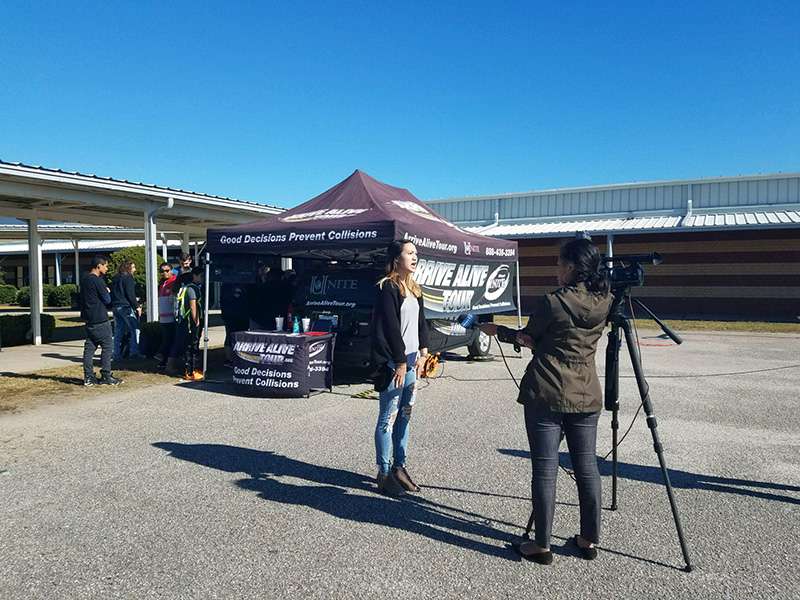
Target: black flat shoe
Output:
[
  {"x": 586, "y": 553},
  {"x": 542, "y": 558}
]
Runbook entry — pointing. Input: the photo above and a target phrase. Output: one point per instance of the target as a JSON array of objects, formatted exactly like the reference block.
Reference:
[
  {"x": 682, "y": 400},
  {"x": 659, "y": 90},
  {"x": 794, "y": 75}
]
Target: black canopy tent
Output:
[{"x": 458, "y": 271}]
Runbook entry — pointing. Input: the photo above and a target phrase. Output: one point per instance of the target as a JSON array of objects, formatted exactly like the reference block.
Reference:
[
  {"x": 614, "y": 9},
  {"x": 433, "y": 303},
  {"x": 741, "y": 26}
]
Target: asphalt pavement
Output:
[{"x": 189, "y": 491}]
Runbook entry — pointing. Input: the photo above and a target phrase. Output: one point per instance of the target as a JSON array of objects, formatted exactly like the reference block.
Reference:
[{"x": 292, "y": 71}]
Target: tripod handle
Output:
[{"x": 664, "y": 327}]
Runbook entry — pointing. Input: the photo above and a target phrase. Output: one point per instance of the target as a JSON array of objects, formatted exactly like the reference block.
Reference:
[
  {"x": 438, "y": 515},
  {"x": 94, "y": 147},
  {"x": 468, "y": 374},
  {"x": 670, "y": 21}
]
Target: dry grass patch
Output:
[{"x": 65, "y": 384}]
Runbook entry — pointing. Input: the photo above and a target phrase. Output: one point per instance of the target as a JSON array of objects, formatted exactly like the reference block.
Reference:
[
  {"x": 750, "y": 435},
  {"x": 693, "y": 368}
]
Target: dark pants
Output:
[
  {"x": 167, "y": 340},
  {"x": 98, "y": 334},
  {"x": 232, "y": 325},
  {"x": 544, "y": 435},
  {"x": 190, "y": 339}
]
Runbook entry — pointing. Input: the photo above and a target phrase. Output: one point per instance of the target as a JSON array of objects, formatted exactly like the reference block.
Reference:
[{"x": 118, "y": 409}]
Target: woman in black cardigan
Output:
[{"x": 399, "y": 351}]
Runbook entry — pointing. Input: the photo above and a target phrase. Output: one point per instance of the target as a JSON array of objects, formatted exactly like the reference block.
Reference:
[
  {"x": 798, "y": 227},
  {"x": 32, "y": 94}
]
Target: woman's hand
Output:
[
  {"x": 419, "y": 366},
  {"x": 523, "y": 339},
  {"x": 488, "y": 328},
  {"x": 400, "y": 375}
]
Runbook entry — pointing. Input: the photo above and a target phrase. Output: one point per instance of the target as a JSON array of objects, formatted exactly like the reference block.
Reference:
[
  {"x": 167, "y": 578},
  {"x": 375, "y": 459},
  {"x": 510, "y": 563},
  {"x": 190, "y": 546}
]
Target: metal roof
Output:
[
  {"x": 740, "y": 202},
  {"x": 65, "y": 246},
  {"x": 33, "y": 192},
  {"x": 644, "y": 224},
  {"x": 73, "y": 231}
]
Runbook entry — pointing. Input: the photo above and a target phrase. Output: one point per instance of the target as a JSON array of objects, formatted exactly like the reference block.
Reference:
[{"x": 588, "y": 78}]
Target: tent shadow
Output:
[
  {"x": 329, "y": 490},
  {"x": 686, "y": 480}
]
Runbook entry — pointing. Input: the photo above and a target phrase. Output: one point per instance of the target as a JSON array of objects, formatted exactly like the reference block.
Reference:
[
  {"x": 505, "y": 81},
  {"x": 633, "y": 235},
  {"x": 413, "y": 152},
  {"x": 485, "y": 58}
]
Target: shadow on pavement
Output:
[
  {"x": 329, "y": 492},
  {"x": 64, "y": 357},
  {"x": 685, "y": 479}
]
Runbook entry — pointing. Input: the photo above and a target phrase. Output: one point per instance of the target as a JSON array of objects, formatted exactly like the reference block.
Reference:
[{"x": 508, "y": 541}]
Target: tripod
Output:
[{"x": 617, "y": 320}]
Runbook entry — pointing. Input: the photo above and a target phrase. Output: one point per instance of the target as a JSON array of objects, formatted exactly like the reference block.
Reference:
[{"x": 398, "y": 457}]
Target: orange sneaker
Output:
[
  {"x": 188, "y": 375},
  {"x": 198, "y": 376}
]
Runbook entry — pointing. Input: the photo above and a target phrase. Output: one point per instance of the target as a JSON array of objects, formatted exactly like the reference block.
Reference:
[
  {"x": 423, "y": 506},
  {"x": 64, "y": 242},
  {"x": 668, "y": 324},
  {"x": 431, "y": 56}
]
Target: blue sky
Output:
[{"x": 275, "y": 102}]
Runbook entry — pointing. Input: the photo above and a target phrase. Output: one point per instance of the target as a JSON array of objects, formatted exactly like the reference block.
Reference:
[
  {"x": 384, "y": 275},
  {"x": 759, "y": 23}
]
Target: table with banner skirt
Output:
[{"x": 279, "y": 364}]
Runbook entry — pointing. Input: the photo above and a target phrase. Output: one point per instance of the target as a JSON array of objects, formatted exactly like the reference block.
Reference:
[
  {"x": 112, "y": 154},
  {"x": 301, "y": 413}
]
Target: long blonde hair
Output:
[{"x": 406, "y": 285}]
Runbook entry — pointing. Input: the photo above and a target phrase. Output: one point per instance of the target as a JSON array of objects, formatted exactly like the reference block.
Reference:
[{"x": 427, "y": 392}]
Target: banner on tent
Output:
[{"x": 451, "y": 287}]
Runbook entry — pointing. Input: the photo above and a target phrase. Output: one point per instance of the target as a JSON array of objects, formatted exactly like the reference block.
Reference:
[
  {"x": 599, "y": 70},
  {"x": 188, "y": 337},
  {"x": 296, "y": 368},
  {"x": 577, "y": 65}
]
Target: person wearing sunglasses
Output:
[{"x": 166, "y": 314}]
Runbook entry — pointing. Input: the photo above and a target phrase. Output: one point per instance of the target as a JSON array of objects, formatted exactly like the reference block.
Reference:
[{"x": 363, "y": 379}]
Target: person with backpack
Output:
[{"x": 189, "y": 322}]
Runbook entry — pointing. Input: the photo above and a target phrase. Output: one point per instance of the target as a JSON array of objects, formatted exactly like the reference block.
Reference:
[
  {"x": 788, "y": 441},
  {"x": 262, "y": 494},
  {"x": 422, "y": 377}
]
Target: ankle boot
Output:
[
  {"x": 388, "y": 485},
  {"x": 404, "y": 479}
]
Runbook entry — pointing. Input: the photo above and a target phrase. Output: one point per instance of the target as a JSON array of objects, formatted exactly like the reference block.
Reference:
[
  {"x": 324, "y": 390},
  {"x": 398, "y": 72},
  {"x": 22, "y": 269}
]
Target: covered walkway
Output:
[{"x": 32, "y": 194}]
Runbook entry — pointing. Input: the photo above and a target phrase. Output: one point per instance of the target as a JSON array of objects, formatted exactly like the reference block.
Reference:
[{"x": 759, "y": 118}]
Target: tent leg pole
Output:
[
  {"x": 519, "y": 300},
  {"x": 519, "y": 304},
  {"x": 206, "y": 286}
]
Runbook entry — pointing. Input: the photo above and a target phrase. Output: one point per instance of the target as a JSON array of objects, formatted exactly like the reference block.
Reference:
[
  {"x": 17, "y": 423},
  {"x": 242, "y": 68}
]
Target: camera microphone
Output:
[{"x": 467, "y": 320}]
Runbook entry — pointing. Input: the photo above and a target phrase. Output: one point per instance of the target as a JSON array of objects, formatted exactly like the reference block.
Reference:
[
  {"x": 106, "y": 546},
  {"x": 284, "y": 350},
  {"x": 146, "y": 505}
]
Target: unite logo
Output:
[
  {"x": 470, "y": 248},
  {"x": 318, "y": 285}
]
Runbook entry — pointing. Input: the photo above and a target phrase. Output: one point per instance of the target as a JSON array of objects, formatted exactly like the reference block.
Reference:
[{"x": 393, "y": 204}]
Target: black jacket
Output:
[
  {"x": 94, "y": 300},
  {"x": 123, "y": 292},
  {"x": 387, "y": 339}
]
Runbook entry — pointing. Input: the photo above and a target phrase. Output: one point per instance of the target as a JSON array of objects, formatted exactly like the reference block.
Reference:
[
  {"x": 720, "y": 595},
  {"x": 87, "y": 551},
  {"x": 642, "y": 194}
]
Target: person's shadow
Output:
[
  {"x": 685, "y": 479},
  {"x": 329, "y": 491}
]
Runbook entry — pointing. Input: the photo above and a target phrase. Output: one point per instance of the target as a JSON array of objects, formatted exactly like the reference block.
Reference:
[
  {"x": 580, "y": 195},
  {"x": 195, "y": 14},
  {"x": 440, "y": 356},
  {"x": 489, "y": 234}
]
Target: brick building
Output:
[{"x": 730, "y": 245}]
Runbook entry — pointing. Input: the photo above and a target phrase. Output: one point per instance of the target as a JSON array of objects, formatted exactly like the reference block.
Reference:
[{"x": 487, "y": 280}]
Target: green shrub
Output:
[
  {"x": 15, "y": 330},
  {"x": 8, "y": 294},
  {"x": 62, "y": 295},
  {"x": 24, "y": 296},
  {"x": 47, "y": 289}
]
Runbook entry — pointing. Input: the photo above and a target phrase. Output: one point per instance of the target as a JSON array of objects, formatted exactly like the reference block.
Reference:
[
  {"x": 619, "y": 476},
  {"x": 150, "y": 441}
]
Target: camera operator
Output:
[{"x": 561, "y": 391}]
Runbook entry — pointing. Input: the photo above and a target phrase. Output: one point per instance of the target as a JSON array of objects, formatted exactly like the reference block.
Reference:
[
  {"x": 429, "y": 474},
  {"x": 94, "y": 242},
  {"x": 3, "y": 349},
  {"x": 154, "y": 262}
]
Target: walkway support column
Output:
[
  {"x": 151, "y": 254},
  {"x": 35, "y": 276},
  {"x": 77, "y": 263},
  {"x": 58, "y": 268}
]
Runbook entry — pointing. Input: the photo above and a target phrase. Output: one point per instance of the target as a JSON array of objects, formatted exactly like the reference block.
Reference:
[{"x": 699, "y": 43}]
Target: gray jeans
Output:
[
  {"x": 98, "y": 334},
  {"x": 544, "y": 436}
]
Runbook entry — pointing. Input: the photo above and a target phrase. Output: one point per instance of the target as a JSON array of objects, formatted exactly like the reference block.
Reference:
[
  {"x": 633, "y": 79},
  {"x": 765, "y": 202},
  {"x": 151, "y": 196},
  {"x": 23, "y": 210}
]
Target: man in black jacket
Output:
[{"x": 95, "y": 301}]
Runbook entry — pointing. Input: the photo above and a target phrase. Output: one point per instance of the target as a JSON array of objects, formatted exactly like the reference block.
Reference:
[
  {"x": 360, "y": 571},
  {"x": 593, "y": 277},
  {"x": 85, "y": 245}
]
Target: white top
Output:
[{"x": 409, "y": 323}]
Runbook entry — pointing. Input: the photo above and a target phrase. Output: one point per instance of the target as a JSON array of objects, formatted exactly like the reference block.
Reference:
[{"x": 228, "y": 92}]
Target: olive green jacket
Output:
[{"x": 566, "y": 326}]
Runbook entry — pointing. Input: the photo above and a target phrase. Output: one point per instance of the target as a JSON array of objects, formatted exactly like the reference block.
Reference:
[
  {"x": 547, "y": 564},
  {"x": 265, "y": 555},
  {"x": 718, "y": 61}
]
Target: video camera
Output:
[{"x": 632, "y": 274}]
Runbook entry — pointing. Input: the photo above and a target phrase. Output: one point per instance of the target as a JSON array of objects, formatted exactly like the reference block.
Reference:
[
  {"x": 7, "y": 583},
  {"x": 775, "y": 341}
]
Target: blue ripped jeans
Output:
[
  {"x": 125, "y": 318},
  {"x": 393, "y": 419}
]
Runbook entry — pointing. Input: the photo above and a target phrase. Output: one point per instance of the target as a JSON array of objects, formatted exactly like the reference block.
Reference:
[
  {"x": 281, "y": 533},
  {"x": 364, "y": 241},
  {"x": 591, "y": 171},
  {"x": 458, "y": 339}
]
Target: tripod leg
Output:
[
  {"x": 644, "y": 392},
  {"x": 612, "y": 402}
]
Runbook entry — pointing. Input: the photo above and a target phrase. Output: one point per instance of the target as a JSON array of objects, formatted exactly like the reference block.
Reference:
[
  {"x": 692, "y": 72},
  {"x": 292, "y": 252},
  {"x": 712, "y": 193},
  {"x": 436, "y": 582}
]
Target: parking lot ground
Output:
[{"x": 189, "y": 491}]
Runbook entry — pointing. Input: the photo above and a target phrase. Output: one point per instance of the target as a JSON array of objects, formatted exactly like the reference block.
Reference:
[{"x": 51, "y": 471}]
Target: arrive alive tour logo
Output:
[{"x": 275, "y": 365}]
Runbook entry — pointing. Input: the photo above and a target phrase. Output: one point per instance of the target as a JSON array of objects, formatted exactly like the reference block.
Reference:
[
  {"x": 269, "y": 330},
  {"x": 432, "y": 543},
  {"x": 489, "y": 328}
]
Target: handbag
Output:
[{"x": 382, "y": 377}]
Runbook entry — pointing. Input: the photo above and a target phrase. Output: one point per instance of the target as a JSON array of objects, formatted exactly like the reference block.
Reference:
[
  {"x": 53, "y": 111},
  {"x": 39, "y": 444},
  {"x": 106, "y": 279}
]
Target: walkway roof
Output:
[{"x": 30, "y": 192}]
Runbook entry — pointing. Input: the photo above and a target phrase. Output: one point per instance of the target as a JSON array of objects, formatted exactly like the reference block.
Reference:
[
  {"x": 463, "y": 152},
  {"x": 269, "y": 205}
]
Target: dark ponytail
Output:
[{"x": 584, "y": 256}]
